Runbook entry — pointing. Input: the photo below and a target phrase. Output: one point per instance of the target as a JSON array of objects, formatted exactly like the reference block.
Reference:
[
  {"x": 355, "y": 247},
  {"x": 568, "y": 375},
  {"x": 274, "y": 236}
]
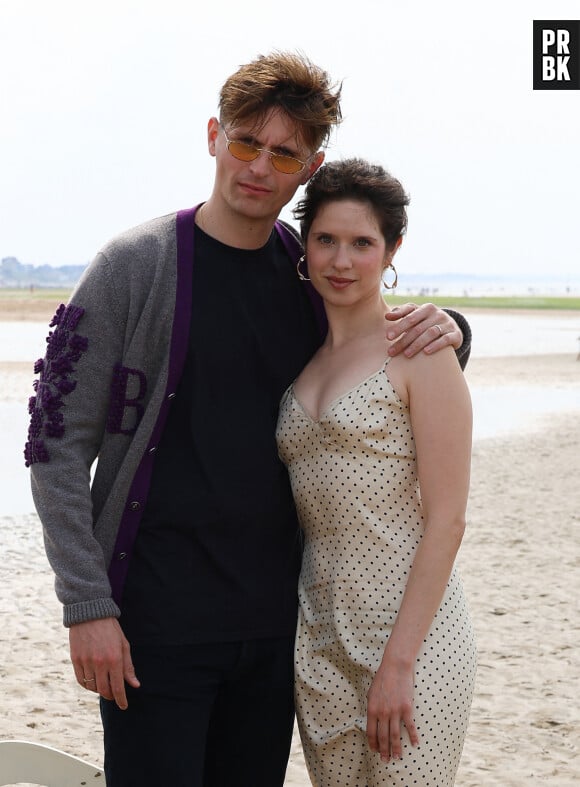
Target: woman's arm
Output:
[{"x": 441, "y": 419}]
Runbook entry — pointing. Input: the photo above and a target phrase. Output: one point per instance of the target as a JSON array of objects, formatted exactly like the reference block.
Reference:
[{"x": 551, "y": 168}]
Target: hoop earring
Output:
[
  {"x": 395, "y": 280},
  {"x": 301, "y": 276}
]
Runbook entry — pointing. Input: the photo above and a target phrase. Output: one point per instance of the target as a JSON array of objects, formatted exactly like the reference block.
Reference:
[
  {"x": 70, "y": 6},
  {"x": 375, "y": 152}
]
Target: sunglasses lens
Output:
[
  {"x": 287, "y": 164},
  {"x": 243, "y": 152}
]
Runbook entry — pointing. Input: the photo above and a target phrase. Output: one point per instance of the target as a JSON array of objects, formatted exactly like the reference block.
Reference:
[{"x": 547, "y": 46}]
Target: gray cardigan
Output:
[{"x": 113, "y": 363}]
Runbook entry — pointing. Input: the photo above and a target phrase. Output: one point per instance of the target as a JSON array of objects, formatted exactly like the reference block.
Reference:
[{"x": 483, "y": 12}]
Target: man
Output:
[{"x": 168, "y": 365}]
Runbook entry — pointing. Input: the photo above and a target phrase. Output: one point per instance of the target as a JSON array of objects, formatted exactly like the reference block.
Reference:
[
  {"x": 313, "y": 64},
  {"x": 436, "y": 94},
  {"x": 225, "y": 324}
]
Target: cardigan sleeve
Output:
[
  {"x": 464, "y": 351},
  {"x": 67, "y": 421}
]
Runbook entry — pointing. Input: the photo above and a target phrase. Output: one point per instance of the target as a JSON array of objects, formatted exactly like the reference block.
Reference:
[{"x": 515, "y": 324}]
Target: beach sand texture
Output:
[{"x": 520, "y": 566}]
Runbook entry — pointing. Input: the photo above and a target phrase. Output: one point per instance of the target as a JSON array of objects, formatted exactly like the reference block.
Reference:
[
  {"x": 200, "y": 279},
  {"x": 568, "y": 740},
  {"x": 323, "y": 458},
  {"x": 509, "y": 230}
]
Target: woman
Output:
[{"x": 378, "y": 451}]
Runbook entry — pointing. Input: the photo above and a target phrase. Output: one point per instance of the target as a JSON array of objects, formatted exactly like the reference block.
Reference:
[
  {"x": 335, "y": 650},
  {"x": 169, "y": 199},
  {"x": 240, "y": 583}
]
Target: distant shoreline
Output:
[
  {"x": 39, "y": 305},
  {"x": 26, "y": 306}
]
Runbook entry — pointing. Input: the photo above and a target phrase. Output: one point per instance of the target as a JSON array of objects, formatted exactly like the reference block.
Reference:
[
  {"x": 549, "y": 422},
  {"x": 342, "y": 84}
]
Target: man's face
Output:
[{"x": 255, "y": 189}]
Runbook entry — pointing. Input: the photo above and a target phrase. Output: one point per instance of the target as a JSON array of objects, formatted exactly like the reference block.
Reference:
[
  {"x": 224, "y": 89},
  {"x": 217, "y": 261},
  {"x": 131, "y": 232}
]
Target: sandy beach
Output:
[{"x": 520, "y": 565}]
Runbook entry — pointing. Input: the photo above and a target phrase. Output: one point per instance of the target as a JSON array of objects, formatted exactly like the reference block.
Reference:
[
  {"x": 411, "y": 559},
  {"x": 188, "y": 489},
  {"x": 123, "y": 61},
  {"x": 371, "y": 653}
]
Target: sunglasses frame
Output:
[{"x": 274, "y": 157}]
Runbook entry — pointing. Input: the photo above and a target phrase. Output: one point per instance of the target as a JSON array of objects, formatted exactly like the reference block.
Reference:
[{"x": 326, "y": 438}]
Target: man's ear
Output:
[
  {"x": 213, "y": 127},
  {"x": 311, "y": 168}
]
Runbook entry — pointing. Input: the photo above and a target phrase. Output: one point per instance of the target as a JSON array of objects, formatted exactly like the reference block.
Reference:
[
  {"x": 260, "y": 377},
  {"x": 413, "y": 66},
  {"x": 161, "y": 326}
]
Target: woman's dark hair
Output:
[{"x": 356, "y": 179}]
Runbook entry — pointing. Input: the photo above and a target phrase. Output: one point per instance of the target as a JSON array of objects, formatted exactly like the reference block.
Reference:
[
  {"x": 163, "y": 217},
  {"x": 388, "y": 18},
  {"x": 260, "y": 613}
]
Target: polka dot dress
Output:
[{"x": 354, "y": 479}]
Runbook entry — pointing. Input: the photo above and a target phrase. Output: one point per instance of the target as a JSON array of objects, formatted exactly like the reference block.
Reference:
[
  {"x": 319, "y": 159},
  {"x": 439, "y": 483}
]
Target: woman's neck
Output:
[{"x": 348, "y": 325}]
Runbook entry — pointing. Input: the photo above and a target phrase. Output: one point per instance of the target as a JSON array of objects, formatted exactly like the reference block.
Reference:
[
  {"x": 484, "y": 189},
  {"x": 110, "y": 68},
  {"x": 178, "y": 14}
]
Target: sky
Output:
[{"x": 104, "y": 108}]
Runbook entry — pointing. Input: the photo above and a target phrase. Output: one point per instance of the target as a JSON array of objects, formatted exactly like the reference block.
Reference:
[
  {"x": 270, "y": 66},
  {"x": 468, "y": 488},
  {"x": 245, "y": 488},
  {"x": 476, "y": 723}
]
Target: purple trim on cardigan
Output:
[
  {"x": 64, "y": 349},
  {"x": 137, "y": 496},
  {"x": 295, "y": 251}
]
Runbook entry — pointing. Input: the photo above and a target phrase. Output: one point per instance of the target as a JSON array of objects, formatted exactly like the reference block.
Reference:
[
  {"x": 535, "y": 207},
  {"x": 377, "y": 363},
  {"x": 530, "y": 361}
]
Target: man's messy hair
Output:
[{"x": 287, "y": 81}]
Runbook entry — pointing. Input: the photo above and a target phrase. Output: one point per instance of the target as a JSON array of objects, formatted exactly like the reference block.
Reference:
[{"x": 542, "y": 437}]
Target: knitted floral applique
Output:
[{"x": 64, "y": 348}]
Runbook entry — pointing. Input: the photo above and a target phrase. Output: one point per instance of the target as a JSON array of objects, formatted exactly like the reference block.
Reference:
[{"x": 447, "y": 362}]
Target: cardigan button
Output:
[
  {"x": 121, "y": 556},
  {"x": 152, "y": 449},
  {"x": 171, "y": 396},
  {"x": 135, "y": 505}
]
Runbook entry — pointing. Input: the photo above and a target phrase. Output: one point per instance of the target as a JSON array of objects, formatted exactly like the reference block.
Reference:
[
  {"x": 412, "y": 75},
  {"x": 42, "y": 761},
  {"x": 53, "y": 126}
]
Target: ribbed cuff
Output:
[
  {"x": 464, "y": 351},
  {"x": 97, "y": 609}
]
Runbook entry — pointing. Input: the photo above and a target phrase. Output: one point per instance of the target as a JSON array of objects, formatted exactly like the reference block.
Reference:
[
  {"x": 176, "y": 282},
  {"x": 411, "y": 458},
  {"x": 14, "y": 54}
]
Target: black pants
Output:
[{"x": 211, "y": 715}]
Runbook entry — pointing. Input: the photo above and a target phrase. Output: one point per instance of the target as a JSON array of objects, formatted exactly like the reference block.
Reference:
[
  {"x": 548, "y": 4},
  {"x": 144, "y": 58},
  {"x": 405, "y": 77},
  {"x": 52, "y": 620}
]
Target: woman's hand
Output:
[{"x": 389, "y": 706}]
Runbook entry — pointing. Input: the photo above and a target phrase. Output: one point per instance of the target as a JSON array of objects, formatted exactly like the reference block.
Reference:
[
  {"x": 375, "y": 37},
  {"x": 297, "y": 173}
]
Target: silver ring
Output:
[
  {"x": 88, "y": 680},
  {"x": 440, "y": 330}
]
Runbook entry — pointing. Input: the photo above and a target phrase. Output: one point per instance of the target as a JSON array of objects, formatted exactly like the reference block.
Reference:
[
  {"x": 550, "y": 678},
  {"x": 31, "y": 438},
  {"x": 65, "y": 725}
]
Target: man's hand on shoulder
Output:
[{"x": 413, "y": 328}]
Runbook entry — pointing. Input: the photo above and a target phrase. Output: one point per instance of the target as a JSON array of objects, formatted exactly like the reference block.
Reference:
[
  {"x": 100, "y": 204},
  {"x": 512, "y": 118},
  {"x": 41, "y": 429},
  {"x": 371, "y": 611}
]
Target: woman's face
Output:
[{"x": 346, "y": 252}]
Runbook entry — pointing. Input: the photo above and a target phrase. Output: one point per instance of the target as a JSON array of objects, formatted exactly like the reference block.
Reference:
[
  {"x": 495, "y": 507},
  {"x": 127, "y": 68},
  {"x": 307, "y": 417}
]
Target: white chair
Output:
[{"x": 34, "y": 763}]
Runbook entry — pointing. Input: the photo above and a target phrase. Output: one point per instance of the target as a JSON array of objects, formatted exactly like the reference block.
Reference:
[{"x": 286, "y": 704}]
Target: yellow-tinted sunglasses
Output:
[{"x": 244, "y": 152}]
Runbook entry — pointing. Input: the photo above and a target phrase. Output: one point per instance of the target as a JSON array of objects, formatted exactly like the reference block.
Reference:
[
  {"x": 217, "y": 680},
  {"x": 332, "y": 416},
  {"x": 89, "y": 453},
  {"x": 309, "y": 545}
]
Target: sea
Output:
[{"x": 497, "y": 411}]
